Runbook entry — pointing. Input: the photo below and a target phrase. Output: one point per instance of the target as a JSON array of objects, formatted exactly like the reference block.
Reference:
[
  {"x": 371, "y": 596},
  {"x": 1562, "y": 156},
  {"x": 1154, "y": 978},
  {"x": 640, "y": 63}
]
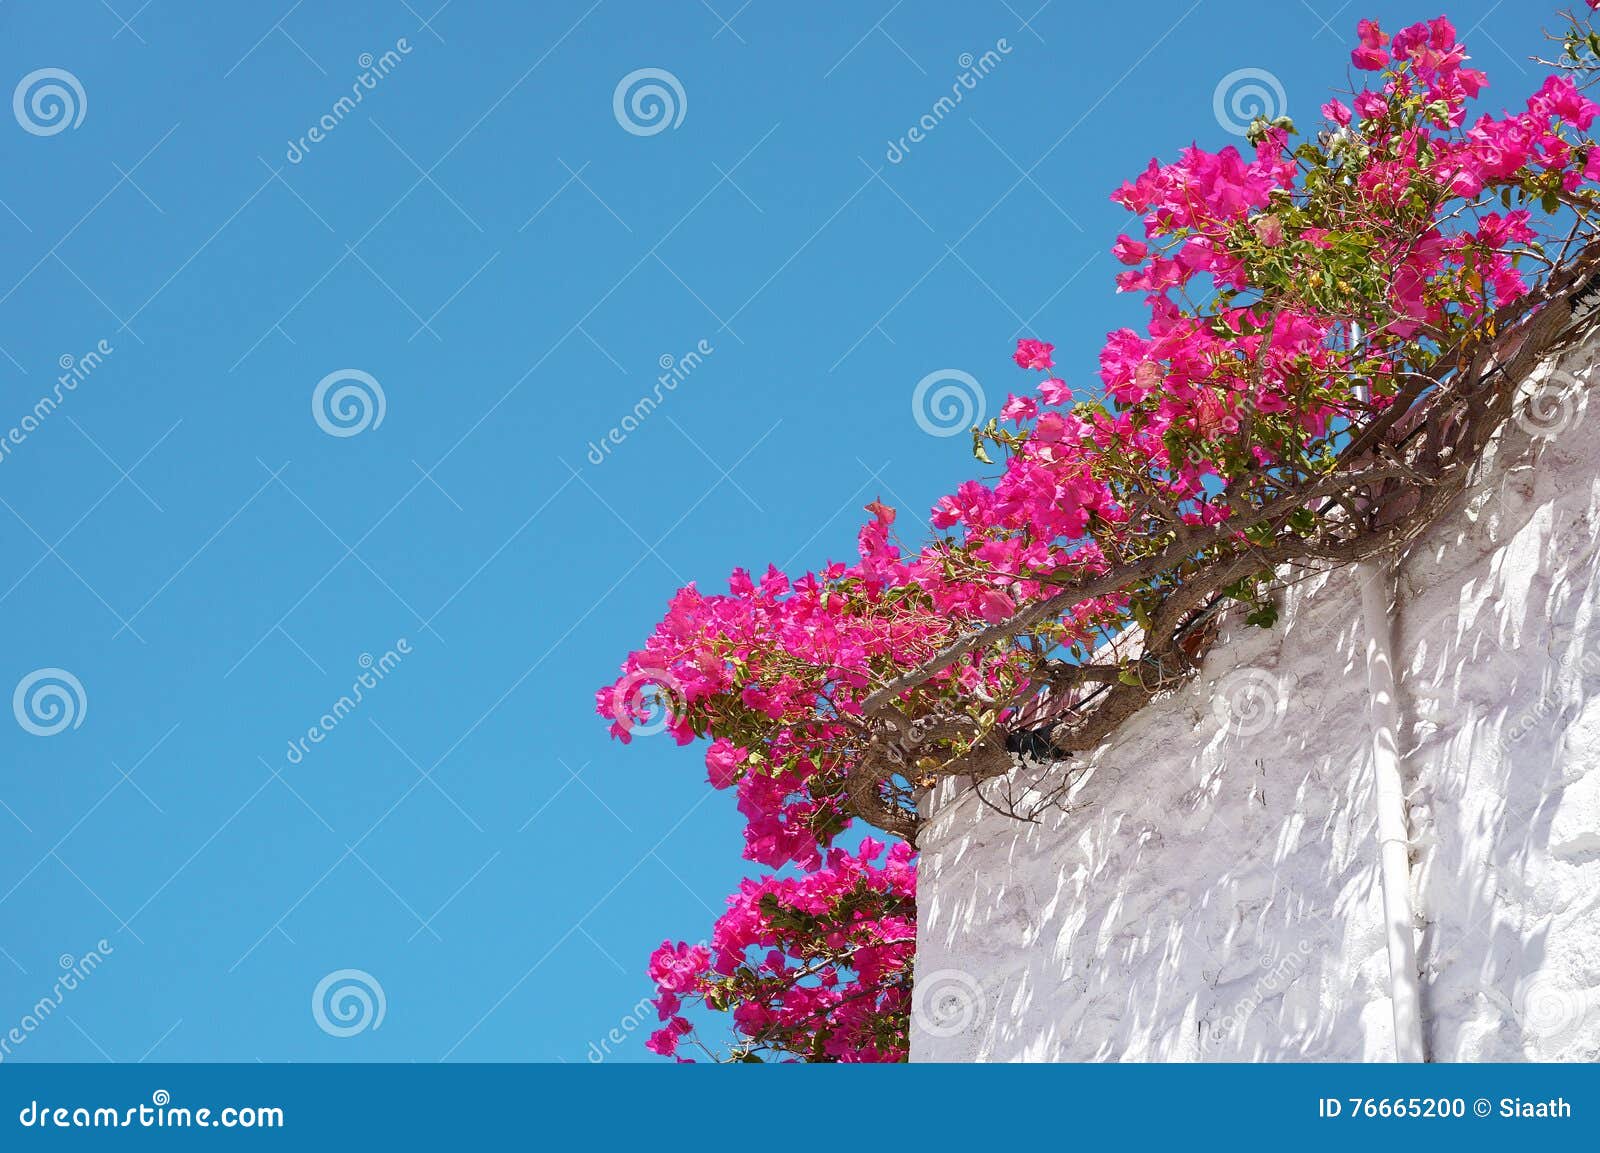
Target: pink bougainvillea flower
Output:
[
  {"x": 1019, "y": 409},
  {"x": 1560, "y": 98},
  {"x": 665, "y": 1041},
  {"x": 723, "y": 761},
  {"x": 1128, "y": 250},
  {"x": 1033, "y": 354},
  {"x": 1370, "y": 55},
  {"x": 994, "y": 605},
  {"x": 1269, "y": 230},
  {"x": 1055, "y": 391}
]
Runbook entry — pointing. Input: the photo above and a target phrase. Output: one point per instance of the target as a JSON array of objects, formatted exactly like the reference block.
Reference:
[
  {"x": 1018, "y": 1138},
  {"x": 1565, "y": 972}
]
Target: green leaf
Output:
[{"x": 1265, "y": 616}]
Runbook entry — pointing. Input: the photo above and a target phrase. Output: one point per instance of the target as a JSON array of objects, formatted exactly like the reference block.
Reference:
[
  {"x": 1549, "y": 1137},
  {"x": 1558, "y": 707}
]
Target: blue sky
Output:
[{"x": 485, "y": 239}]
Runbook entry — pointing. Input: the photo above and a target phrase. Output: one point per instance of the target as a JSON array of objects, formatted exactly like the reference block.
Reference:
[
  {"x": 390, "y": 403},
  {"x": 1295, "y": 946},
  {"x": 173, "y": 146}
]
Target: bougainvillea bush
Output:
[{"x": 1336, "y": 324}]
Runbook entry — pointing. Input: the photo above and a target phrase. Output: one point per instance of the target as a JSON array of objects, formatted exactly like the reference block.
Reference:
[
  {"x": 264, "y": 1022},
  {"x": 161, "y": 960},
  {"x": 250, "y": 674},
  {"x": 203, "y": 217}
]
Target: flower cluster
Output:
[
  {"x": 1296, "y": 292},
  {"x": 816, "y": 966}
]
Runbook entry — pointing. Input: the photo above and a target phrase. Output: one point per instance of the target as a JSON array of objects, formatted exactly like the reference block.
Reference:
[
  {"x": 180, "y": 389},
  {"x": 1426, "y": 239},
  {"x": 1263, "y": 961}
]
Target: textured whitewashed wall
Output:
[{"x": 1213, "y": 892}]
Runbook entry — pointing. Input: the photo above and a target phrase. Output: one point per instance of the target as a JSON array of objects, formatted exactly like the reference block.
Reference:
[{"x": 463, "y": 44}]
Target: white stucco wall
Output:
[{"x": 1213, "y": 892}]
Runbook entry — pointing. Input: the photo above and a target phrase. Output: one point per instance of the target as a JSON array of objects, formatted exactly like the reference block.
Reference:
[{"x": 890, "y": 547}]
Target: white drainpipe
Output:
[{"x": 1394, "y": 847}]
